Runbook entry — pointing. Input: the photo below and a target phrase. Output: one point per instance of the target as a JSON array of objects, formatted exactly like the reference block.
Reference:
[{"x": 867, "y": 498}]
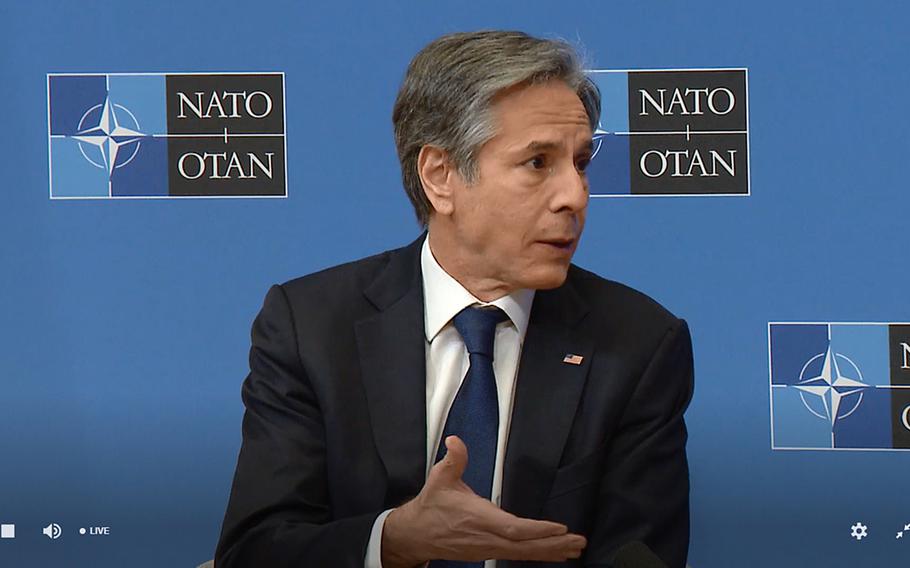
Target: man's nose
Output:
[{"x": 571, "y": 191}]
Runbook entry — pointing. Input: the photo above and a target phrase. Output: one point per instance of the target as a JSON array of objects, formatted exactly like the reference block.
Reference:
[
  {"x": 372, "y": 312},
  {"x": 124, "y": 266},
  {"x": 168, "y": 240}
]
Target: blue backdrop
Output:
[{"x": 126, "y": 323}]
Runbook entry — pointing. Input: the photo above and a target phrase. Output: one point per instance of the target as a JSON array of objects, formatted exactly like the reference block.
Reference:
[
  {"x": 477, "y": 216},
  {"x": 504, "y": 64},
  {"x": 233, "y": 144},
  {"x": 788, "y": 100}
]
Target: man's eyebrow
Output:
[
  {"x": 547, "y": 145},
  {"x": 543, "y": 146}
]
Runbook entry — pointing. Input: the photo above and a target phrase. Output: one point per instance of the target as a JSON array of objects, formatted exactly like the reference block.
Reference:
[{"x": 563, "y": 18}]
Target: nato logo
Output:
[
  {"x": 153, "y": 135},
  {"x": 671, "y": 132},
  {"x": 840, "y": 386}
]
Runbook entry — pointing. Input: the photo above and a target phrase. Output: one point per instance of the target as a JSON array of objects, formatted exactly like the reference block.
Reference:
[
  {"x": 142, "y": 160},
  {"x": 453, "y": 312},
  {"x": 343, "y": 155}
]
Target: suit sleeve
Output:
[
  {"x": 644, "y": 495},
  {"x": 279, "y": 512}
]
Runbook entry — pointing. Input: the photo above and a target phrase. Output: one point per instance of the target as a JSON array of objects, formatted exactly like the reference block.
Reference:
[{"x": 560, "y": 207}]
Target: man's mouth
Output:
[{"x": 564, "y": 244}]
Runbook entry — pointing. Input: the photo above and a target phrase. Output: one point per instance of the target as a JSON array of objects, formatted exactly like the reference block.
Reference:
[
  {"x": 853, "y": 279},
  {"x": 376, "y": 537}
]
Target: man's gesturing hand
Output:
[{"x": 449, "y": 521}]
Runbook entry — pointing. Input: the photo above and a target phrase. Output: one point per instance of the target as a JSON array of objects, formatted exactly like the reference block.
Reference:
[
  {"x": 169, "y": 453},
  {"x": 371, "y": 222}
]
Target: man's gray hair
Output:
[{"x": 449, "y": 87}]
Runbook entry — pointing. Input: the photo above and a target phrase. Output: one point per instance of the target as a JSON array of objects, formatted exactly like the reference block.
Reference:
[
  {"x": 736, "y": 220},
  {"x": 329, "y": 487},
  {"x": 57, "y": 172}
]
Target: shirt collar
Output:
[{"x": 444, "y": 297}]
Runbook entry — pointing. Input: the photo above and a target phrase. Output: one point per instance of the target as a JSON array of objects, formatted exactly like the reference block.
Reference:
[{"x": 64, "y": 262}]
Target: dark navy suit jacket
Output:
[{"x": 335, "y": 424}]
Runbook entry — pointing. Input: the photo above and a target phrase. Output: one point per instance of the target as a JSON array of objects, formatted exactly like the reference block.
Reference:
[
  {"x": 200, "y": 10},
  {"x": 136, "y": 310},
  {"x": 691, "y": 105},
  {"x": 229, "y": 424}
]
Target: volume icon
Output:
[{"x": 52, "y": 531}]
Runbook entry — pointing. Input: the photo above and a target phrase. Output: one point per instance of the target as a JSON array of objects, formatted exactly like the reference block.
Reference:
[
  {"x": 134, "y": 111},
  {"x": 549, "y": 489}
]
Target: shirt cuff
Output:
[{"x": 373, "y": 558}]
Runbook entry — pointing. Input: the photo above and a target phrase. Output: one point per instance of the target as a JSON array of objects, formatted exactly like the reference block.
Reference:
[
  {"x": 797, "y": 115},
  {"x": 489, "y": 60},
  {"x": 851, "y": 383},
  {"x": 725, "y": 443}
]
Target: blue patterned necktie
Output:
[{"x": 474, "y": 416}]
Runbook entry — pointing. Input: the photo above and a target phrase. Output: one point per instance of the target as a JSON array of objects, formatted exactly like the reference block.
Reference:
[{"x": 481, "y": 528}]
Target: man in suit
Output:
[{"x": 472, "y": 399}]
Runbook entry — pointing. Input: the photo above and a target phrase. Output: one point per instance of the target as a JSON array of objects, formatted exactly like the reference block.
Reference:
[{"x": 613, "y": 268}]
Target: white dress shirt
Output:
[{"x": 447, "y": 365}]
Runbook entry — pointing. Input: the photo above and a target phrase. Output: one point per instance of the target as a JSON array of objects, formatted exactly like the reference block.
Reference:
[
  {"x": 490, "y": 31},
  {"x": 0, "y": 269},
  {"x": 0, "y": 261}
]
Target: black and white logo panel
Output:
[{"x": 671, "y": 132}]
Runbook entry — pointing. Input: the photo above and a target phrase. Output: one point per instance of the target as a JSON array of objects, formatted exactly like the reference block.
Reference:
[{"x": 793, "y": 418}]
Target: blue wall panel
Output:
[{"x": 126, "y": 323}]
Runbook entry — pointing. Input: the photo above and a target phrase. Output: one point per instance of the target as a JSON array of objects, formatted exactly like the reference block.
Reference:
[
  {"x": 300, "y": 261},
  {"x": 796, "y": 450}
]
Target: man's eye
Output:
[
  {"x": 538, "y": 162},
  {"x": 583, "y": 164}
]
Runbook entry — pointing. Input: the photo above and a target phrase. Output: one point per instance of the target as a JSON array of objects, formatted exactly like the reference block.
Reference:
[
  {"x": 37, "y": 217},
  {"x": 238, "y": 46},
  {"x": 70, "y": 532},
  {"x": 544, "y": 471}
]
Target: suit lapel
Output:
[
  {"x": 547, "y": 394},
  {"x": 393, "y": 365}
]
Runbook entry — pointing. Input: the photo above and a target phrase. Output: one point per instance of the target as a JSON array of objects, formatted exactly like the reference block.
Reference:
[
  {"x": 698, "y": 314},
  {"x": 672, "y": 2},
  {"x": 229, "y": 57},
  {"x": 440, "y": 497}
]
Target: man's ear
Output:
[{"x": 438, "y": 177}]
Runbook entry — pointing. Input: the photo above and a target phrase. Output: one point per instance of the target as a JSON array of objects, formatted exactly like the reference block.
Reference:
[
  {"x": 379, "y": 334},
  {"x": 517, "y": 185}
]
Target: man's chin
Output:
[{"x": 549, "y": 279}]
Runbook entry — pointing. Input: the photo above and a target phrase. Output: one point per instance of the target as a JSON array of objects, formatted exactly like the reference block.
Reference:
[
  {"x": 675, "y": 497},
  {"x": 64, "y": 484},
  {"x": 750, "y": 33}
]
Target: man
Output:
[{"x": 473, "y": 395}]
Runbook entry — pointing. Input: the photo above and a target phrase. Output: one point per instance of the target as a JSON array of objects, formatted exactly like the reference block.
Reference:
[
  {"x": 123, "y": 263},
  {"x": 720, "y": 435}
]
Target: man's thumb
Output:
[{"x": 455, "y": 460}]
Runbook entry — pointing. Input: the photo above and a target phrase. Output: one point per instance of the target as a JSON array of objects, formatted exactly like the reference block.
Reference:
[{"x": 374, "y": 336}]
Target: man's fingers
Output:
[
  {"x": 510, "y": 527},
  {"x": 549, "y": 549}
]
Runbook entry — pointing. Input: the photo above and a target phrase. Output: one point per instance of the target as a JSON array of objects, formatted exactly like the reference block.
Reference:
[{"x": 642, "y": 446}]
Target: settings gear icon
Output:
[{"x": 859, "y": 531}]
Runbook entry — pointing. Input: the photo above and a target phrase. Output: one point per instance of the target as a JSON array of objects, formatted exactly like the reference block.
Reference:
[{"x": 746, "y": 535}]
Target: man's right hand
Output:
[{"x": 448, "y": 521}]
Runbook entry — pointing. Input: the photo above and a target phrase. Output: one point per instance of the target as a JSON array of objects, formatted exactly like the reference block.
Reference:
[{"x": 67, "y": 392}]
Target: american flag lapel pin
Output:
[{"x": 573, "y": 359}]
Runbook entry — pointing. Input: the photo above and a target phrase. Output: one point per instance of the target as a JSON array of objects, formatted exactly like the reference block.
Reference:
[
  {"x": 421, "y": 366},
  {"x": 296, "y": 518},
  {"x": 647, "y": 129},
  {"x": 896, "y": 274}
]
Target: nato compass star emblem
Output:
[
  {"x": 107, "y": 136},
  {"x": 834, "y": 393},
  {"x": 597, "y": 139}
]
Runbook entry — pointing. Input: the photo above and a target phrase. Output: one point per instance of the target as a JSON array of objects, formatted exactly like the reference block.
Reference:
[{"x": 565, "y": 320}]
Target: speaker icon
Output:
[{"x": 52, "y": 531}]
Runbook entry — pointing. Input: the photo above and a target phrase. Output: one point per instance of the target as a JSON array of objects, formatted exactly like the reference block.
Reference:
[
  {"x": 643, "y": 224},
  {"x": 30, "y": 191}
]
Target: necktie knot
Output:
[{"x": 477, "y": 327}]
